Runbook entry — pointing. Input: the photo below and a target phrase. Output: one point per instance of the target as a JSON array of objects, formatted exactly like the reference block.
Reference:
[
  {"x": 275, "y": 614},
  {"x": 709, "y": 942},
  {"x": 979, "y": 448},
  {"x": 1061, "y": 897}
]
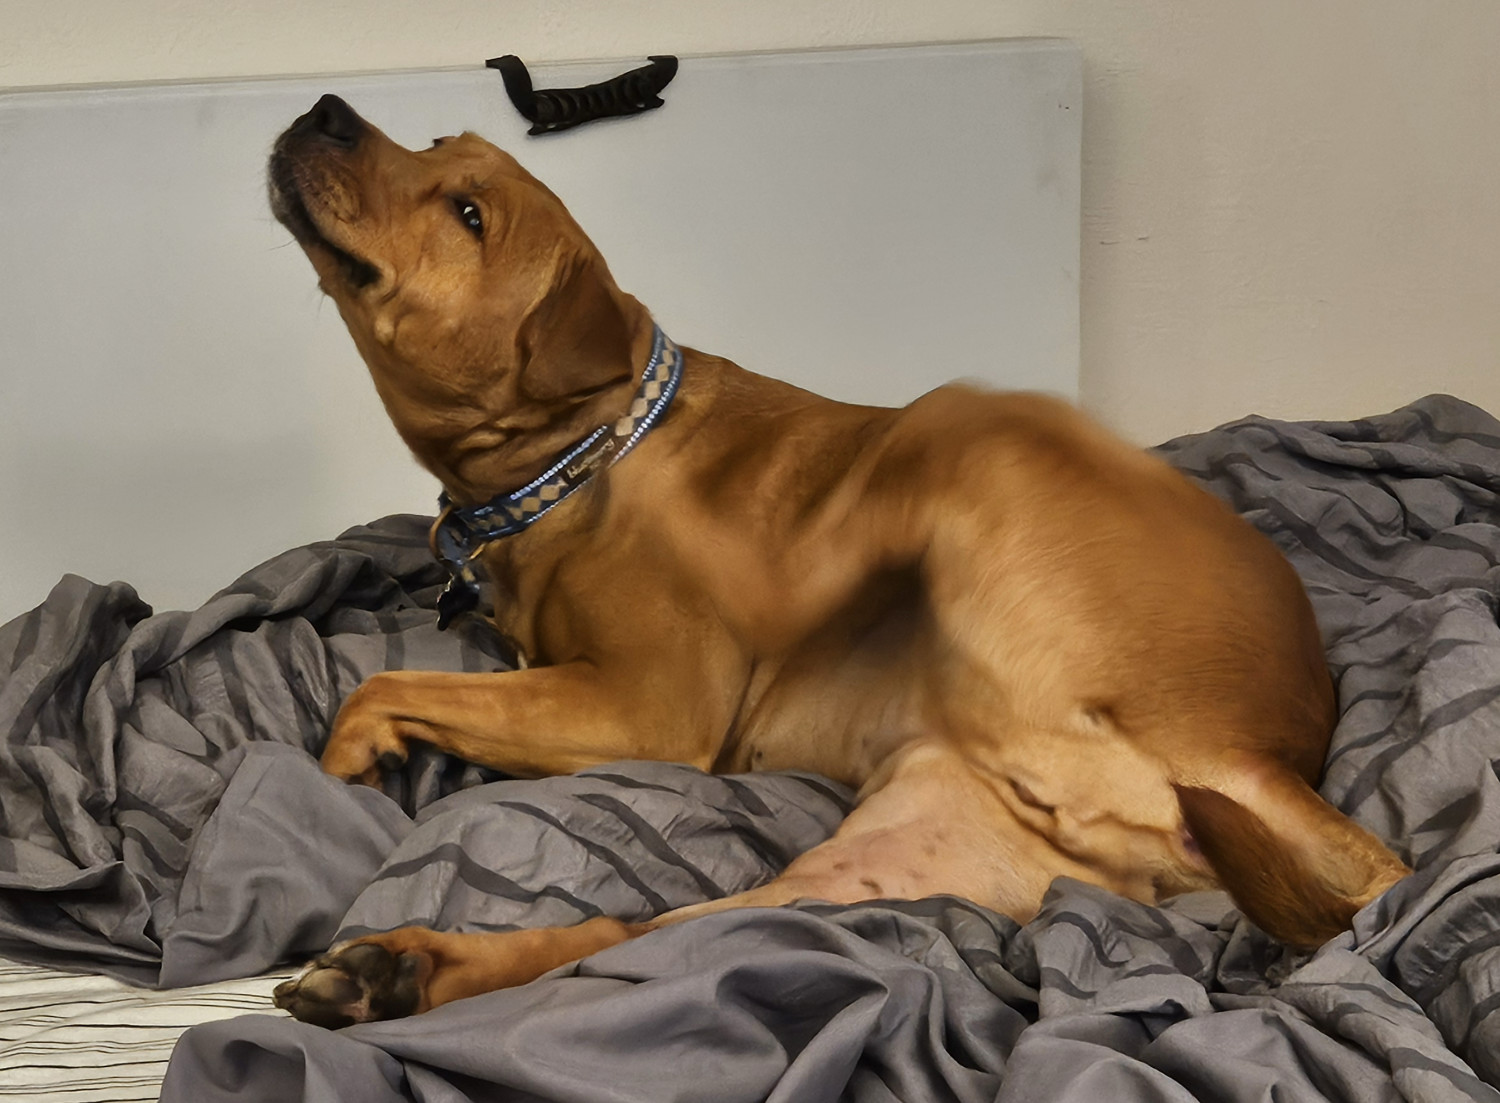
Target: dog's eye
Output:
[{"x": 469, "y": 215}]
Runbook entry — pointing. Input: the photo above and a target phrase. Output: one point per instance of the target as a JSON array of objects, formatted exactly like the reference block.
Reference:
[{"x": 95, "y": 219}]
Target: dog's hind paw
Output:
[{"x": 356, "y": 982}]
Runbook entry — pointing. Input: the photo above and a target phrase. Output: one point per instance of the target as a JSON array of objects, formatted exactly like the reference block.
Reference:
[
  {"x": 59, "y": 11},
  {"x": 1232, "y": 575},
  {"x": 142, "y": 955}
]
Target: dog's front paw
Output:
[
  {"x": 366, "y": 739},
  {"x": 356, "y": 982}
]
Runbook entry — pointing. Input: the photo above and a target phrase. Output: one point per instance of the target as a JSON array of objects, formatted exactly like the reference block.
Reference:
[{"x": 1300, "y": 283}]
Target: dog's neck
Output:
[
  {"x": 462, "y": 531},
  {"x": 565, "y": 382},
  {"x": 540, "y": 429}
]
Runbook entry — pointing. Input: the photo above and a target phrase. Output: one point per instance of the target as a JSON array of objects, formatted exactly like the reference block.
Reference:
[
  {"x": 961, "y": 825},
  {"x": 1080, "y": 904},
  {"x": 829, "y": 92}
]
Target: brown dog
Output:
[{"x": 1036, "y": 650}]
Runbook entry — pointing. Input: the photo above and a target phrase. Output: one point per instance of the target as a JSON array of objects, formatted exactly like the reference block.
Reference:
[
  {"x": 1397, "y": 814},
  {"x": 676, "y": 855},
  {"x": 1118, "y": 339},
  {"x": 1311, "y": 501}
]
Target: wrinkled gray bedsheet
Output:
[{"x": 164, "y": 820}]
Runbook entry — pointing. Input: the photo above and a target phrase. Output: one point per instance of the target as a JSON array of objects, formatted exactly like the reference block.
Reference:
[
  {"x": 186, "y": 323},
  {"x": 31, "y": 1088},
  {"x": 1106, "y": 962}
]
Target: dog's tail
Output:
[{"x": 1295, "y": 865}]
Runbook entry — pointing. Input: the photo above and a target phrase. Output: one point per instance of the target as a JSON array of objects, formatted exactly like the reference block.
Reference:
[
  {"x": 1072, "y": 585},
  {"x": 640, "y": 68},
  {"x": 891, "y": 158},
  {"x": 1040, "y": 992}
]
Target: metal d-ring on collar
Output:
[{"x": 460, "y": 534}]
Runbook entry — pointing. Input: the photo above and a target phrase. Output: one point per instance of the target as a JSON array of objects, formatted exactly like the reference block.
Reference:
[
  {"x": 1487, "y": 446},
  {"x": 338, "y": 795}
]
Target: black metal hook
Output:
[{"x": 552, "y": 109}]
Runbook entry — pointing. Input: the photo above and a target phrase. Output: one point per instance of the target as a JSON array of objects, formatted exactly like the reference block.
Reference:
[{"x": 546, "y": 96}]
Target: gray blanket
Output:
[{"x": 164, "y": 820}]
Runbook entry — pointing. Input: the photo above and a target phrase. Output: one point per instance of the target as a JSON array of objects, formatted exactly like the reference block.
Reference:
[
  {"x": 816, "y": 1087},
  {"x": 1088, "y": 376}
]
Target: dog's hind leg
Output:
[
  {"x": 933, "y": 827},
  {"x": 413, "y": 969}
]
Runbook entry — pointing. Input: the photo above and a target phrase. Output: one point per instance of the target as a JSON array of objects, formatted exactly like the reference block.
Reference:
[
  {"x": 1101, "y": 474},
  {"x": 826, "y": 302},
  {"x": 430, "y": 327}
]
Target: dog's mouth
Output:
[{"x": 290, "y": 209}]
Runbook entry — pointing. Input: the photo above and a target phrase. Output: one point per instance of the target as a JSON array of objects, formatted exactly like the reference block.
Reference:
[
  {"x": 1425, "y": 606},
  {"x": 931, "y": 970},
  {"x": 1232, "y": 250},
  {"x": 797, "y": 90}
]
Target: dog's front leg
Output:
[{"x": 527, "y": 723}]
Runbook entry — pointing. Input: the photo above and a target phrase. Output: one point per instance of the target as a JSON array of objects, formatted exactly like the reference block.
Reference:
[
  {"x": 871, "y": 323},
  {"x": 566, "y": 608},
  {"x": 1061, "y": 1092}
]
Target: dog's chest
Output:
[
  {"x": 842, "y": 701},
  {"x": 602, "y": 594}
]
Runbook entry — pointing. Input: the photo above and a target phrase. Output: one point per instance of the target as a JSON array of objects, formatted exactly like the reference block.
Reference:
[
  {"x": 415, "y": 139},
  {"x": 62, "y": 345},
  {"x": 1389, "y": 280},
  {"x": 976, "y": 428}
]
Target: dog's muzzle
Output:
[{"x": 331, "y": 128}]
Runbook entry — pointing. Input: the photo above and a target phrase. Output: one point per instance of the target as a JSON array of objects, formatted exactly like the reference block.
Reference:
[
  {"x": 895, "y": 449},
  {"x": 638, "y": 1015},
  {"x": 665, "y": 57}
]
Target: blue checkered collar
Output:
[{"x": 460, "y": 533}]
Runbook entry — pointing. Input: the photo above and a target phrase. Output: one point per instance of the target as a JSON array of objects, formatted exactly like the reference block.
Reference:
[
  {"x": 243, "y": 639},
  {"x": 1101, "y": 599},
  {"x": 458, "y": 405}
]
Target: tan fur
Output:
[{"x": 1020, "y": 637}]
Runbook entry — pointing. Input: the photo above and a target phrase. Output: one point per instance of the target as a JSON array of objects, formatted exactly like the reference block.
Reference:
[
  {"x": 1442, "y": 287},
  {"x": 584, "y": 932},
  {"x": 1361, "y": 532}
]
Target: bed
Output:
[
  {"x": 165, "y": 825},
  {"x": 89, "y": 1038}
]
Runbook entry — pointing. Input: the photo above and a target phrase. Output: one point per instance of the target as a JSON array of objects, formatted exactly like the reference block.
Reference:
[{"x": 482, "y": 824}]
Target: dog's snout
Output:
[{"x": 335, "y": 120}]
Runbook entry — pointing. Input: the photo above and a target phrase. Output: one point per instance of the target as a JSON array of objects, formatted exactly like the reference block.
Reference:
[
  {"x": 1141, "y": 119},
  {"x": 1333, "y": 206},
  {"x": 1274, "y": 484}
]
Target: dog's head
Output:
[{"x": 463, "y": 280}]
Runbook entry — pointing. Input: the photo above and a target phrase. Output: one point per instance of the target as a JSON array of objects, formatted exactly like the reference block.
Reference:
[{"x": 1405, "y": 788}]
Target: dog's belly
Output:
[{"x": 931, "y": 816}]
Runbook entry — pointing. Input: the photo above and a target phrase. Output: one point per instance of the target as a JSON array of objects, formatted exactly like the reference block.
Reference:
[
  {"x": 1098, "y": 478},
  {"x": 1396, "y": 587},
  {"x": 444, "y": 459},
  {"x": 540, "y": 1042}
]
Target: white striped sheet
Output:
[{"x": 81, "y": 1038}]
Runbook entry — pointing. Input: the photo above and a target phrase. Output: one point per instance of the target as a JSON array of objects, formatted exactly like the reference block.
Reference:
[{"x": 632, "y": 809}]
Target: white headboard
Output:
[{"x": 177, "y": 402}]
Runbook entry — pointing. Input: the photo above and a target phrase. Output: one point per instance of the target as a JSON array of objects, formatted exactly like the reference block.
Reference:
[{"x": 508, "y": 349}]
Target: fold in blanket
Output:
[
  {"x": 119, "y": 730},
  {"x": 164, "y": 820}
]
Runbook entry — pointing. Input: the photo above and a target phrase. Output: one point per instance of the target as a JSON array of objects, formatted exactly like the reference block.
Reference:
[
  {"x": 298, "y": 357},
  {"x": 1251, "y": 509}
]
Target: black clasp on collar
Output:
[{"x": 452, "y": 547}]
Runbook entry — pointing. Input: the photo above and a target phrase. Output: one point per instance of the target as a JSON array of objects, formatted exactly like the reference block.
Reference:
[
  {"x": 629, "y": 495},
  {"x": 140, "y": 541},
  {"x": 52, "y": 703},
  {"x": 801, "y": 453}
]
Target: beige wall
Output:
[{"x": 1290, "y": 206}]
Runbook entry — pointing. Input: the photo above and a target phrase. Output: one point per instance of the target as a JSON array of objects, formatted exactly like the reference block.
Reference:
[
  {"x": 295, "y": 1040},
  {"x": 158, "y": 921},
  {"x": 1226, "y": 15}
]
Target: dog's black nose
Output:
[{"x": 336, "y": 121}]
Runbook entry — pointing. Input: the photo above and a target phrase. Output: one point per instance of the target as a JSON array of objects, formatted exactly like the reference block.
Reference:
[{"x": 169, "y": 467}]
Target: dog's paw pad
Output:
[{"x": 362, "y": 982}]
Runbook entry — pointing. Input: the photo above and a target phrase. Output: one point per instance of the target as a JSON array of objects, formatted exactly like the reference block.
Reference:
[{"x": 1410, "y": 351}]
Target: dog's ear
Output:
[
  {"x": 1295, "y": 865},
  {"x": 578, "y": 338}
]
